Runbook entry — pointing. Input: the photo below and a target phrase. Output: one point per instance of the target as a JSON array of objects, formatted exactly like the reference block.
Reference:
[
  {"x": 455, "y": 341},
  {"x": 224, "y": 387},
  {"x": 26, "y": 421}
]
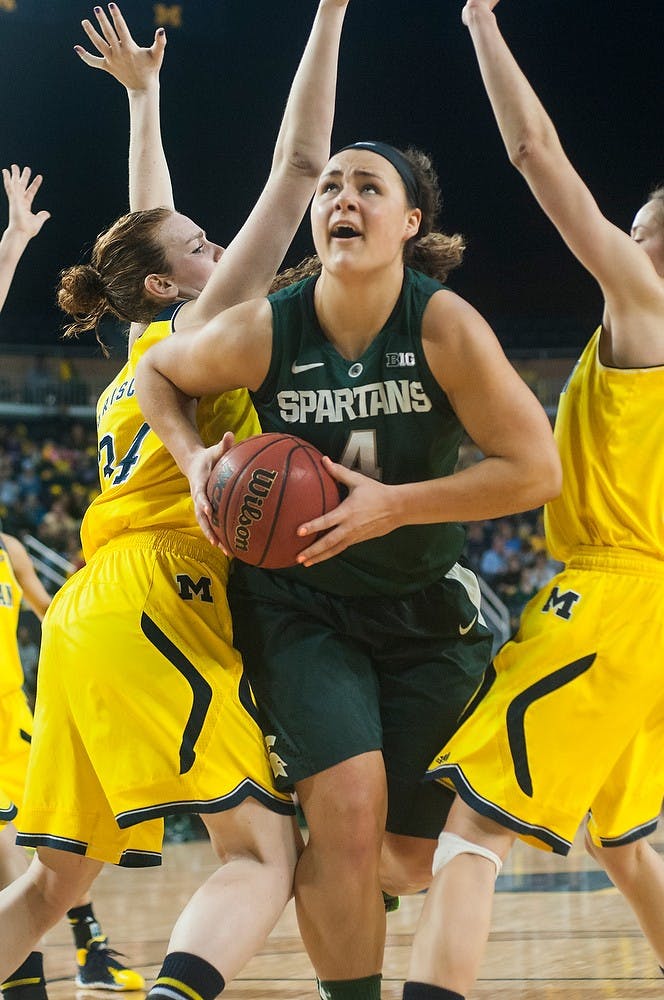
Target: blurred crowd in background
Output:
[{"x": 48, "y": 476}]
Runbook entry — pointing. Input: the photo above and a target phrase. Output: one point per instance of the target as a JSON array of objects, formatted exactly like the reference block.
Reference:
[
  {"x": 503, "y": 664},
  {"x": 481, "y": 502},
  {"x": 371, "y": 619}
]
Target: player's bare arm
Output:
[
  {"x": 231, "y": 352},
  {"x": 251, "y": 260},
  {"x": 34, "y": 591},
  {"x": 23, "y": 223},
  {"x": 624, "y": 272},
  {"x": 137, "y": 68}
]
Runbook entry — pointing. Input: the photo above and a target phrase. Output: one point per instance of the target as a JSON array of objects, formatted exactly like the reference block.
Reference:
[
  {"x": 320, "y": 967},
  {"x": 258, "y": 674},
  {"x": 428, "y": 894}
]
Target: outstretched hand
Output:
[
  {"x": 20, "y": 195},
  {"x": 133, "y": 66},
  {"x": 476, "y": 5},
  {"x": 198, "y": 474},
  {"x": 367, "y": 512}
]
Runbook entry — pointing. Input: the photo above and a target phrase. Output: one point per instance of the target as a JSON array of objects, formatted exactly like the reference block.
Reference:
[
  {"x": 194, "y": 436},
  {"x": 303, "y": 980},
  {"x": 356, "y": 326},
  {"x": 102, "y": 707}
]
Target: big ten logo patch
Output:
[
  {"x": 168, "y": 15},
  {"x": 6, "y": 596},
  {"x": 189, "y": 589},
  {"x": 400, "y": 359},
  {"x": 561, "y": 603}
]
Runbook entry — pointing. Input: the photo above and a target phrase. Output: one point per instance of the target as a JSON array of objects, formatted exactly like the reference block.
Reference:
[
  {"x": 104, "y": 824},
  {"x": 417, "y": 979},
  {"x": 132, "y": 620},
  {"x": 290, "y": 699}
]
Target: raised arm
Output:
[
  {"x": 302, "y": 149},
  {"x": 23, "y": 223},
  {"x": 34, "y": 591},
  {"x": 624, "y": 271},
  {"x": 137, "y": 69}
]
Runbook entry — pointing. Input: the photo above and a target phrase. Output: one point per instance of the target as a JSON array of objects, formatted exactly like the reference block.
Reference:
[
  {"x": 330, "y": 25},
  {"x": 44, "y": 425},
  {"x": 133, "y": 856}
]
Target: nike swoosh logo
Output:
[
  {"x": 298, "y": 369},
  {"x": 465, "y": 630}
]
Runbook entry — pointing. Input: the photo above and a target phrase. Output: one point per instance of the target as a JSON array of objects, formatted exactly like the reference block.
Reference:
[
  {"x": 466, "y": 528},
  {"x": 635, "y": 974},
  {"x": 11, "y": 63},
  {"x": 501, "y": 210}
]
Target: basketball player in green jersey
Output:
[
  {"x": 143, "y": 709},
  {"x": 369, "y": 649},
  {"x": 98, "y": 966},
  {"x": 574, "y": 719}
]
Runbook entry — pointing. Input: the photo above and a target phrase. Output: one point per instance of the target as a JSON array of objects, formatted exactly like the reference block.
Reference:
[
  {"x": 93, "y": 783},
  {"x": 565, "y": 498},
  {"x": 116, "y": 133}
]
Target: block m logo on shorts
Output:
[
  {"x": 561, "y": 603},
  {"x": 188, "y": 589}
]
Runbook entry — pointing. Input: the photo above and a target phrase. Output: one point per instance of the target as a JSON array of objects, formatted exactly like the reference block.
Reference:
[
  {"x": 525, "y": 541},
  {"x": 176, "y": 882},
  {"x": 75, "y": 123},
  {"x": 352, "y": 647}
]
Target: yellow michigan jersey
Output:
[
  {"x": 570, "y": 720},
  {"x": 609, "y": 430},
  {"x": 143, "y": 709},
  {"x": 141, "y": 485},
  {"x": 15, "y": 716},
  {"x": 11, "y": 593}
]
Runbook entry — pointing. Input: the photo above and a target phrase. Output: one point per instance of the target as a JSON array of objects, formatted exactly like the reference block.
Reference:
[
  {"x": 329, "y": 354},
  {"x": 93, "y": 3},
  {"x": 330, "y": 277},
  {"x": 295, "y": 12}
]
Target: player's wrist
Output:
[
  {"x": 477, "y": 12},
  {"x": 148, "y": 89},
  {"x": 16, "y": 237}
]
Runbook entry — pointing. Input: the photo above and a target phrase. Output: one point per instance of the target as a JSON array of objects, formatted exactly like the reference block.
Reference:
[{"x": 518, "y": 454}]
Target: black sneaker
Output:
[{"x": 99, "y": 969}]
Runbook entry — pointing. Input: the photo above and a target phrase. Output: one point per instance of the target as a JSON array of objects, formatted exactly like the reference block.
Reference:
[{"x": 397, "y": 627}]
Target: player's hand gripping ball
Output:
[{"x": 261, "y": 490}]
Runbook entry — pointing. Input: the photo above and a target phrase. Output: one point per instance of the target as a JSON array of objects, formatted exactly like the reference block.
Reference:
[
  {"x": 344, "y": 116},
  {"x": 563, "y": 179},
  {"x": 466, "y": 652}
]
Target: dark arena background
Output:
[{"x": 407, "y": 75}]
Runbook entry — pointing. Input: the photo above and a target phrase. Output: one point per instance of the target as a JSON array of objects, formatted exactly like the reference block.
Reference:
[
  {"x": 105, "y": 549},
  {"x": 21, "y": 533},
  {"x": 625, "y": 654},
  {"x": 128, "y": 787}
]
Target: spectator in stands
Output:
[
  {"x": 25, "y": 516},
  {"x": 516, "y": 597},
  {"x": 544, "y": 568},
  {"x": 29, "y": 481},
  {"x": 40, "y": 383},
  {"x": 58, "y": 525},
  {"x": 476, "y": 543},
  {"x": 9, "y": 486},
  {"x": 493, "y": 561}
]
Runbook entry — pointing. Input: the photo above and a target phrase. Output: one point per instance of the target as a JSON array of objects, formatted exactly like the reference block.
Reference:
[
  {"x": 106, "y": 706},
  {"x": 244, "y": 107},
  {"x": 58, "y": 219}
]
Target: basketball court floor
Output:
[{"x": 560, "y": 930}]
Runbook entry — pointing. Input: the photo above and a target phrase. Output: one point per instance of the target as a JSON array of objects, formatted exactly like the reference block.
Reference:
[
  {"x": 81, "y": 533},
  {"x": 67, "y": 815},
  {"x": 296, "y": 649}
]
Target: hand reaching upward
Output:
[
  {"x": 20, "y": 192},
  {"x": 23, "y": 223},
  {"x": 134, "y": 66}
]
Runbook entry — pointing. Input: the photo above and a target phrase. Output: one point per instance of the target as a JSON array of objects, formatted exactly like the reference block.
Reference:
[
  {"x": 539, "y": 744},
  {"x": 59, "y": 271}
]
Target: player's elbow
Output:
[
  {"x": 546, "y": 475},
  {"x": 301, "y": 161},
  {"x": 526, "y": 149},
  {"x": 144, "y": 379}
]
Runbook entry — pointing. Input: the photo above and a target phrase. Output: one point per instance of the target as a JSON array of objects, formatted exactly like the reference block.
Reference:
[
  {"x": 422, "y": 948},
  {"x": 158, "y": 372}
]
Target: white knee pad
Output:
[{"x": 449, "y": 845}]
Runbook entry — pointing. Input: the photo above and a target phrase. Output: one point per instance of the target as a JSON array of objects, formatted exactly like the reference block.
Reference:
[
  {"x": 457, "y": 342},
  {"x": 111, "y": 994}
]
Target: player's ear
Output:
[
  {"x": 413, "y": 222},
  {"x": 161, "y": 287}
]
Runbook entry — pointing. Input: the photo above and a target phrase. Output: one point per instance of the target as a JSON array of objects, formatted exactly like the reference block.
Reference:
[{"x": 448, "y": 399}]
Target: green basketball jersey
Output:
[{"x": 383, "y": 414}]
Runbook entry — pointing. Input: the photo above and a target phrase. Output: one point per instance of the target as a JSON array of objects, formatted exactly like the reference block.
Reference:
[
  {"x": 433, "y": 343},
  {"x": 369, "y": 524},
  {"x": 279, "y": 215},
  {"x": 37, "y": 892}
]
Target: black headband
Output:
[{"x": 398, "y": 161}]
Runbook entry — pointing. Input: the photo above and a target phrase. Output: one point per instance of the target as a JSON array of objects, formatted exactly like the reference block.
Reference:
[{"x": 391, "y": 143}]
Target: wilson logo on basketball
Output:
[{"x": 258, "y": 490}]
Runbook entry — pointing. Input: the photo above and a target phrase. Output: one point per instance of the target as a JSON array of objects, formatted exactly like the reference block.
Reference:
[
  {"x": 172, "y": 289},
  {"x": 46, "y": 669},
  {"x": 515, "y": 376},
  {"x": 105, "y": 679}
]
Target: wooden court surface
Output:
[{"x": 559, "y": 931}]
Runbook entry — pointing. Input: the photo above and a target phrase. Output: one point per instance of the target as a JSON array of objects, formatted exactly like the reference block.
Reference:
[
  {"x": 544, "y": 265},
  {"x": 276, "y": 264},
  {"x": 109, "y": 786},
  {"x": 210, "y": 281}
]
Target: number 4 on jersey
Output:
[{"x": 360, "y": 454}]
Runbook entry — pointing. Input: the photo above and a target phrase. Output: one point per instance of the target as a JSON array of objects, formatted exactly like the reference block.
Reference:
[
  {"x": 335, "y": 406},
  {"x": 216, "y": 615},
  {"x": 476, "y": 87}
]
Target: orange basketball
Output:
[{"x": 262, "y": 490}]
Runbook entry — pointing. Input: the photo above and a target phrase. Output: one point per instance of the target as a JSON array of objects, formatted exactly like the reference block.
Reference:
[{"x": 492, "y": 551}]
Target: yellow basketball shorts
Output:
[
  {"x": 15, "y": 735},
  {"x": 143, "y": 709},
  {"x": 570, "y": 719}
]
